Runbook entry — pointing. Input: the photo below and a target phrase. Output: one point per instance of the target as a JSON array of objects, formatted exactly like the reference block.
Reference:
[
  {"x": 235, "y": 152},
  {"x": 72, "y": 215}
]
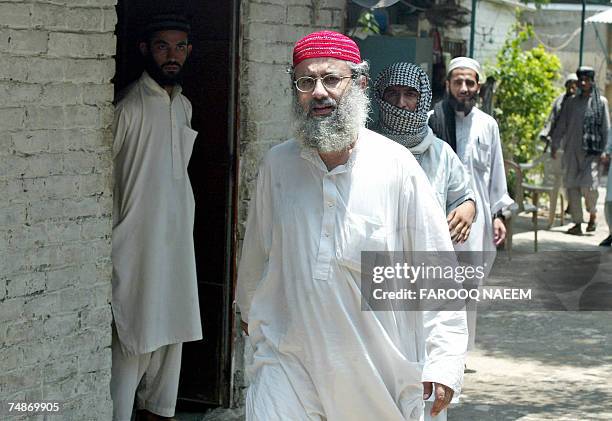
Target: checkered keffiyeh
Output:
[{"x": 406, "y": 127}]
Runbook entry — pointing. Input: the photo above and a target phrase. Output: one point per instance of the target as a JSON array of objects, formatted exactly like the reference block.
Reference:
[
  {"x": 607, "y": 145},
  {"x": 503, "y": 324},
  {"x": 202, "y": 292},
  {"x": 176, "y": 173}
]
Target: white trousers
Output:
[{"x": 151, "y": 378}]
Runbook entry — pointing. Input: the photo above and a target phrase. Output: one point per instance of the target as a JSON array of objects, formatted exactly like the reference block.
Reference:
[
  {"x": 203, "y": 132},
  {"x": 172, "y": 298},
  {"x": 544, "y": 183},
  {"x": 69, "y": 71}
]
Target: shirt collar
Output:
[
  {"x": 156, "y": 88},
  {"x": 311, "y": 155}
]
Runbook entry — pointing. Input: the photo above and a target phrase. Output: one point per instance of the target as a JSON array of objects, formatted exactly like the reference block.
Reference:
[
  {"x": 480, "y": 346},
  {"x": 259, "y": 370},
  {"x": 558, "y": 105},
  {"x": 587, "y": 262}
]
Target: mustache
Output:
[
  {"x": 327, "y": 102},
  {"x": 171, "y": 63}
]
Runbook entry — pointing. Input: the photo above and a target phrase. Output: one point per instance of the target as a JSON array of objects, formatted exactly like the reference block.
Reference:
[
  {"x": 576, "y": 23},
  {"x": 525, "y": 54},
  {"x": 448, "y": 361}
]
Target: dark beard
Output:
[
  {"x": 461, "y": 106},
  {"x": 155, "y": 71}
]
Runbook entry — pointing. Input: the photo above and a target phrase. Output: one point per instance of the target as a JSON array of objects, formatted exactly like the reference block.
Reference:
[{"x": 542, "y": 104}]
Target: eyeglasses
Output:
[{"x": 330, "y": 82}]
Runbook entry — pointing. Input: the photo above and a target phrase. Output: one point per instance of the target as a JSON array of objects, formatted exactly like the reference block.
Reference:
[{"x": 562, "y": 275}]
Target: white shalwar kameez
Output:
[
  {"x": 479, "y": 148},
  {"x": 318, "y": 356},
  {"x": 155, "y": 299}
]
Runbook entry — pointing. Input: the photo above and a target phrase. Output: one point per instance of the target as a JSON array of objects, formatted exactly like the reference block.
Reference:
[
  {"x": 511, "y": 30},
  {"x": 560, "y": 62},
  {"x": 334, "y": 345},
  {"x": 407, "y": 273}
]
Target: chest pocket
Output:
[
  {"x": 481, "y": 155},
  {"x": 188, "y": 137},
  {"x": 359, "y": 233}
]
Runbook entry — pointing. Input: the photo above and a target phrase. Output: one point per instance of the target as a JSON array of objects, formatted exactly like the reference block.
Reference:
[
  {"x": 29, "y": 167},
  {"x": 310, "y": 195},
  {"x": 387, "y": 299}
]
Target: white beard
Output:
[{"x": 337, "y": 131}]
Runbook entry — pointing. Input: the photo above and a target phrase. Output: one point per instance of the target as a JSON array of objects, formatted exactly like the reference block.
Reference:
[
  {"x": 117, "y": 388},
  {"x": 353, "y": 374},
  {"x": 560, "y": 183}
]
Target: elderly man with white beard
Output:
[{"x": 335, "y": 190}]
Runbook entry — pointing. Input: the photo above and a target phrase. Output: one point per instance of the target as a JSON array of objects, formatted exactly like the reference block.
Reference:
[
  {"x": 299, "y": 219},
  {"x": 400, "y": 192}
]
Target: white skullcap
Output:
[
  {"x": 466, "y": 62},
  {"x": 571, "y": 77}
]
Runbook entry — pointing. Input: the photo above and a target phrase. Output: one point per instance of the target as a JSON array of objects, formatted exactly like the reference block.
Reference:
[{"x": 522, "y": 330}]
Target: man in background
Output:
[
  {"x": 582, "y": 132},
  {"x": 474, "y": 136},
  {"x": 571, "y": 83},
  {"x": 403, "y": 94}
]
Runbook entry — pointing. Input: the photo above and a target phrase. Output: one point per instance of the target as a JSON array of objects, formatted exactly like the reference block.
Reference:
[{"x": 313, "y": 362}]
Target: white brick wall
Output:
[{"x": 55, "y": 214}]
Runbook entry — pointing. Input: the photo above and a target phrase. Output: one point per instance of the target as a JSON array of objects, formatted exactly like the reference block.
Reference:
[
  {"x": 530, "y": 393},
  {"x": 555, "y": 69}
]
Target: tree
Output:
[{"x": 525, "y": 92}]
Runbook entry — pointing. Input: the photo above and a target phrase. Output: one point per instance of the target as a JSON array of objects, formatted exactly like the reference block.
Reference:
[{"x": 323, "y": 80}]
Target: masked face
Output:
[
  {"x": 463, "y": 88},
  {"x": 165, "y": 55},
  {"x": 404, "y": 97}
]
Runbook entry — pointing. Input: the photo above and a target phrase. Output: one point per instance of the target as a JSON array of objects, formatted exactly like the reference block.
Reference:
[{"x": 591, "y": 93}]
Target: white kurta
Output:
[
  {"x": 298, "y": 283},
  {"x": 445, "y": 172},
  {"x": 154, "y": 300},
  {"x": 479, "y": 148}
]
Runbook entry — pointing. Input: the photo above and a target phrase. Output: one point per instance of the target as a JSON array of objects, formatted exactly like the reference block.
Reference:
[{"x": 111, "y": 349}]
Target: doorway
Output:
[{"x": 210, "y": 83}]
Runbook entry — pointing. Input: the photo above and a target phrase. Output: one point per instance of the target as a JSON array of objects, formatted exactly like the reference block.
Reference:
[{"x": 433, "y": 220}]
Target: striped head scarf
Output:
[
  {"x": 406, "y": 127},
  {"x": 594, "y": 115}
]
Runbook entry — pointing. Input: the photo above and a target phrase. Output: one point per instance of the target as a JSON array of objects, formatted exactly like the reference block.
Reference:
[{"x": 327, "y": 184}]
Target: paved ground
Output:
[
  {"x": 545, "y": 365},
  {"x": 534, "y": 365}
]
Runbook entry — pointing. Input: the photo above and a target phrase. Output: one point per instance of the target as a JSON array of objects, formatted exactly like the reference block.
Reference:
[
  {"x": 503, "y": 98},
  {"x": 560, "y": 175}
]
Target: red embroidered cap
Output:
[{"x": 326, "y": 44}]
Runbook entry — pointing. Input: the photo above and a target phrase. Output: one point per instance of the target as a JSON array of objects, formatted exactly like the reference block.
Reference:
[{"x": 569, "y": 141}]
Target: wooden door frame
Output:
[
  {"x": 225, "y": 368},
  {"x": 231, "y": 245}
]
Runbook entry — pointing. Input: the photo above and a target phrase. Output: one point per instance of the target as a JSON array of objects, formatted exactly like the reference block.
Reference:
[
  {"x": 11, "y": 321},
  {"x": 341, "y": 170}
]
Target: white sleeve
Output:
[
  {"x": 444, "y": 332},
  {"x": 256, "y": 245},
  {"x": 458, "y": 187},
  {"x": 446, "y": 339},
  {"x": 498, "y": 190}
]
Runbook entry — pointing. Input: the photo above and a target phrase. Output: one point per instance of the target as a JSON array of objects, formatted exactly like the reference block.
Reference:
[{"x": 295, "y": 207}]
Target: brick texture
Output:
[{"x": 56, "y": 63}]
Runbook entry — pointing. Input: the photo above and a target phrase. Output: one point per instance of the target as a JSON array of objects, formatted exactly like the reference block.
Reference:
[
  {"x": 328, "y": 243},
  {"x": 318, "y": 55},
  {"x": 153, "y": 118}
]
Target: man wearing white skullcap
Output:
[{"x": 474, "y": 136}]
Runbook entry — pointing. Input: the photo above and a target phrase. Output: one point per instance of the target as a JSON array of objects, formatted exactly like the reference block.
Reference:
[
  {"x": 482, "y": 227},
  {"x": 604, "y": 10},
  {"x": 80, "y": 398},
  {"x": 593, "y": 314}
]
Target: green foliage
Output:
[
  {"x": 525, "y": 92},
  {"x": 367, "y": 22}
]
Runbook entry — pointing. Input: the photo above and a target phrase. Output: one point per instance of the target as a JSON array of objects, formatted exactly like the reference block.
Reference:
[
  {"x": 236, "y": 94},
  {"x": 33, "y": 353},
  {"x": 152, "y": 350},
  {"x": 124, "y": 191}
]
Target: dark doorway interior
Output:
[{"x": 210, "y": 85}]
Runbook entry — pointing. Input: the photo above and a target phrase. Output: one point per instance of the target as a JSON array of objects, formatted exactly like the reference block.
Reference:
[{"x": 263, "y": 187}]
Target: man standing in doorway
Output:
[
  {"x": 474, "y": 136},
  {"x": 333, "y": 191},
  {"x": 582, "y": 132},
  {"x": 154, "y": 301}
]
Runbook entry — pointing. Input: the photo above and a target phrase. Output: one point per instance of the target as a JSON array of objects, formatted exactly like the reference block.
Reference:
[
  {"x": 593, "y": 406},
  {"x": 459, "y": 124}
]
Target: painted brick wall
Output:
[{"x": 55, "y": 208}]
